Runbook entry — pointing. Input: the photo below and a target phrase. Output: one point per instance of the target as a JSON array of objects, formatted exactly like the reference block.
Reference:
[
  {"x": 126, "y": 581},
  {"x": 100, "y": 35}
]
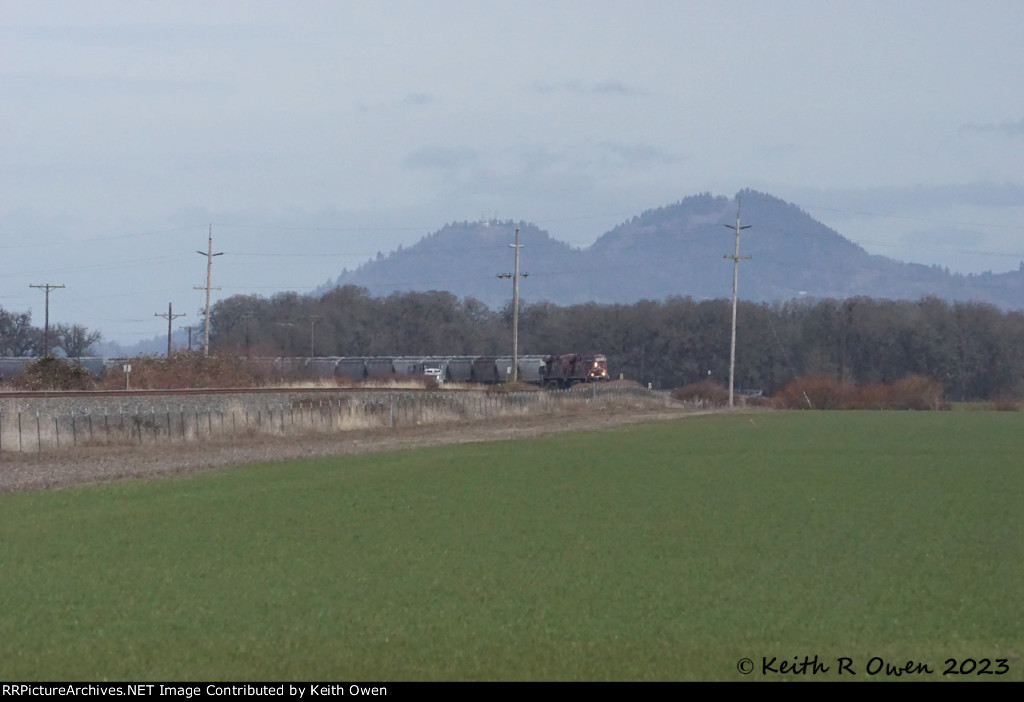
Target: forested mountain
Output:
[
  {"x": 673, "y": 251},
  {"x": 465, "y": 258}
]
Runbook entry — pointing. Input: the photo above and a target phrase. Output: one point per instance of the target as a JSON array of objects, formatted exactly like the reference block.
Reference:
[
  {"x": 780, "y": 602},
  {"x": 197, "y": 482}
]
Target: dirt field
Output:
[{"x": 100, "y": 464}]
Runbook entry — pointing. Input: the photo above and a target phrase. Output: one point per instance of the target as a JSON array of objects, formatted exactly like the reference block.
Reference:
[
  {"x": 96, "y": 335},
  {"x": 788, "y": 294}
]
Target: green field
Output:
[{"x": 667, "y": 551}]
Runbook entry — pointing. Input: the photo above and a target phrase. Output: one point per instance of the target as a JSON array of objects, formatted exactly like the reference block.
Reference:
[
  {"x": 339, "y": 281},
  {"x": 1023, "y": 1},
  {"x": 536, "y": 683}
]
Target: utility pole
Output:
[
  {"x": 515, "y": 307},
  {"x": 313, "y": 319},
  {"x": 170, "y": 316},
  {"x": 209, "y": 265},
  {"x": 46, "y": 327},
  {"x": 736, "y": 258},
  {"x": 245, "y": 317}
]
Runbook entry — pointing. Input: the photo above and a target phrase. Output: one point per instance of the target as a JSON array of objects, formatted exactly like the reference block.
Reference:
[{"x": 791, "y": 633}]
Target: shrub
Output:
[
  {"x": 49, "y": 373},
  {"x": 874, "y": 396},
  {"x": 705, "y": 393},
  {"x": 1005, "y": 403},
  {"x": 914, "y": 392},
  {"x": 917, "y": 392},
  {"x": 187, "y": 370},
  {"x": 816, "y": 392}
]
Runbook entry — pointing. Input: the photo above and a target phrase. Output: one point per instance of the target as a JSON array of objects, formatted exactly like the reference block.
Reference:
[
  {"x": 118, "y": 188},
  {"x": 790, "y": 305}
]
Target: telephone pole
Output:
[
  {"x": 209, "y": 266},
  {"x": 46, "y": 327},
  {"x": 313, "y": 319},
  {"x": 736, "y": 258},
  {"x": 170, "y": 316},
  {"x": 515, "y": 307}
]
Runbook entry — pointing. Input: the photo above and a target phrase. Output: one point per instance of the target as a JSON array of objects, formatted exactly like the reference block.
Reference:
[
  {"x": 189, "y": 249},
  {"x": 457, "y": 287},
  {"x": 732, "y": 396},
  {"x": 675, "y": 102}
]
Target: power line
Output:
[
  {"x": 46, "y": 329},
  {"x": 735, "y": 279},
  {"x": 209, "y": 266},
  {"x": 515, "y": 307},
  {"x": 111, "y": 237},
  {"x": 170, "y": 316}
]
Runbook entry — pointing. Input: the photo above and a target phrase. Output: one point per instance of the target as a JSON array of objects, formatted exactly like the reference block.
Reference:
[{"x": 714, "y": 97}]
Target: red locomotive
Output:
[{"x": 567, "y": 370}]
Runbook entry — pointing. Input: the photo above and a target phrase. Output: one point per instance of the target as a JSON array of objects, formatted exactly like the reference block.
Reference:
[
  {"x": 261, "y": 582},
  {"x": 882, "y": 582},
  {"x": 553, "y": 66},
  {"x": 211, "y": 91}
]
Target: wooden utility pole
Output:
[
  {"x": 46, "y": 327},
  {"x": 515, "y": 307},
  {"x": 313, "y": 319},
  {"x": 736, "y": 258},
  {"x": 170, "y": 316},
  {"x": 209, "y": 266}
]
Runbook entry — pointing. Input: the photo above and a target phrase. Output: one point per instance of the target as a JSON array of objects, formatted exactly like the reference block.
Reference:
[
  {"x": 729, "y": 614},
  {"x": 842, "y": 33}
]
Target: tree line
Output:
[
  {"x": 20, "y": 338},
  {"x": 973, "y": 349}
]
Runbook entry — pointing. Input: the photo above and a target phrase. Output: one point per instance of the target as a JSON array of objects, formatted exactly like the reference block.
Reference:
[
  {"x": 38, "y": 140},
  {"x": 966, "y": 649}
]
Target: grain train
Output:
[
  {"x": 560, "y": 371},
  {"x": 554, "y": 370}
]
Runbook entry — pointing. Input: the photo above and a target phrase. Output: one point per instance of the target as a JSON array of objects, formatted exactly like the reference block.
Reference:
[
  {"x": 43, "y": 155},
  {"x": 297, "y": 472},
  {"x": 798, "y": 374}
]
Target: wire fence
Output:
[{"x": 225, "y": 417}]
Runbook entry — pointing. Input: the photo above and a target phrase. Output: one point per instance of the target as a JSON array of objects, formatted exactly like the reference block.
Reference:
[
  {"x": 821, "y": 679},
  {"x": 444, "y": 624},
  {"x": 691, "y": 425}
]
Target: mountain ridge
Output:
[{"x": 674, "y": 250}]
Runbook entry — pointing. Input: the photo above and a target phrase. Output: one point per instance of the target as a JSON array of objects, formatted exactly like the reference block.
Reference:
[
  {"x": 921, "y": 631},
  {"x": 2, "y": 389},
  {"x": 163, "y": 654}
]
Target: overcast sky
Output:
[{"x": 313, "y": 134}]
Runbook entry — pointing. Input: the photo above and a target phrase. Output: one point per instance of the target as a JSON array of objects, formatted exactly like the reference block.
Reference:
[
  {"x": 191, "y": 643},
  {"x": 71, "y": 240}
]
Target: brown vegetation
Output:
[
  {"x": 705, "y": 393},
  {"x": 187, "y": 370},
  {"x": 1005, "y": 403},
  {"x": 49, "y": 373},
  {"x": 914, "y": 392}
]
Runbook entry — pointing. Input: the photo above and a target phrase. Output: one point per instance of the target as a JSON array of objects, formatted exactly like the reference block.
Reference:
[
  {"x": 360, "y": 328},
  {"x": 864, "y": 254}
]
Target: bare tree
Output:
[
  {"x": 17, "y": 335},
  {"x": 75, "y": 339}
]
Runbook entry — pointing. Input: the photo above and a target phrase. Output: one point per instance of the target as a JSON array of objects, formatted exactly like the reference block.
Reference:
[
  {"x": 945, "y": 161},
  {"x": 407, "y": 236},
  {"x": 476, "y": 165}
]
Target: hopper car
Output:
[{"x": 560, "y": 371}]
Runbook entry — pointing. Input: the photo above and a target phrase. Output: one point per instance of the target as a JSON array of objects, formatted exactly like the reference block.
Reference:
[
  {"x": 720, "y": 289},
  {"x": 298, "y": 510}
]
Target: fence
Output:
[{"x": 28, "y": 429}]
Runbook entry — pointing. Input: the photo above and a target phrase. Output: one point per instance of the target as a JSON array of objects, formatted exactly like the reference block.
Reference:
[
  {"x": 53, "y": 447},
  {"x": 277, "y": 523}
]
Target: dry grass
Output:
[
  {"x": 309, "y": 417},
  {"x": 449, "y": 425}
]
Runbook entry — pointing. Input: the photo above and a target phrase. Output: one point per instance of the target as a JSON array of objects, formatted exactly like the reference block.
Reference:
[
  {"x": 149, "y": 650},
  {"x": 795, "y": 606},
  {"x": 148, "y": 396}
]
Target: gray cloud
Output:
[
  {"x": 149, "y": 34},
  {"x": 41, "y": 85},
  {"x": 1006, "y": 129},
  {"x": 580, "y": 87},
  {"x": 612, "y": 87},
  {"x": 418, "y": 99},
  {"x": 440, "y": 158},
  {"x": 919, "y": 197},
  {"x": 637, "y": 154}
]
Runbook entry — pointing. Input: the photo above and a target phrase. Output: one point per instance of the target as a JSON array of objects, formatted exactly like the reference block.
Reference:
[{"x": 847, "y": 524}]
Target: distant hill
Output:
[{"x": 672, "y": 251}]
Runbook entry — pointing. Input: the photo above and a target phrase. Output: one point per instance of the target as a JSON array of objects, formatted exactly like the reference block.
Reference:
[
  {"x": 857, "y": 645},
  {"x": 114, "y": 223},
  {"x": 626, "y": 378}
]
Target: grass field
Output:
[{"x": 667, "y": 551}]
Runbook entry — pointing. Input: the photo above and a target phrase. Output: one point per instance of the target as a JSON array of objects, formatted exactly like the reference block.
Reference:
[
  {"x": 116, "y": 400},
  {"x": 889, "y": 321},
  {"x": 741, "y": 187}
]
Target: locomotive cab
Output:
[{"x": 596, "y": 367}]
